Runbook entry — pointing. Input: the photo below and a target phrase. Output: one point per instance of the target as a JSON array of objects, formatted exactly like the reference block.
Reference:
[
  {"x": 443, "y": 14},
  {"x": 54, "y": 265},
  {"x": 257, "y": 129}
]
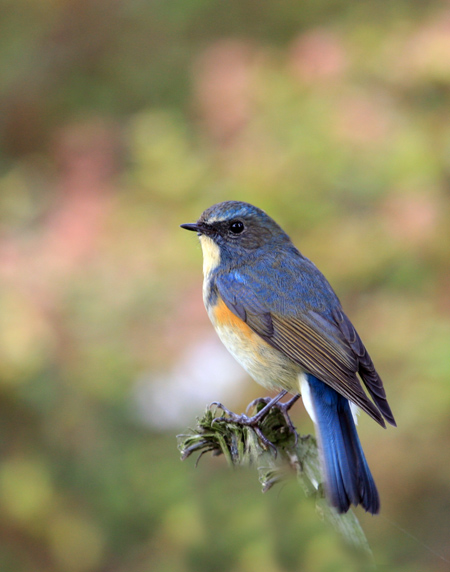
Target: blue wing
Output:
[{"x": 302, "y": 317}]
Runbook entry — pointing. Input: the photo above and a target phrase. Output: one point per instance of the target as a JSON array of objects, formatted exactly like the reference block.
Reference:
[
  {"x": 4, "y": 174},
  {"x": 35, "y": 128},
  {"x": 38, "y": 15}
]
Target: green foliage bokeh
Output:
[{"x": 121, "y": 120}]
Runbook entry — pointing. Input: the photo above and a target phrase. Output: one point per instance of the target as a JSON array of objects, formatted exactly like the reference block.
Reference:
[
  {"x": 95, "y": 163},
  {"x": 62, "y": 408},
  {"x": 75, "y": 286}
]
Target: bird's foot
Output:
[
  {"x": 282, "y": 407},
  {"x": 245, "y": 421},
  {"x": 254, "y": 421}
]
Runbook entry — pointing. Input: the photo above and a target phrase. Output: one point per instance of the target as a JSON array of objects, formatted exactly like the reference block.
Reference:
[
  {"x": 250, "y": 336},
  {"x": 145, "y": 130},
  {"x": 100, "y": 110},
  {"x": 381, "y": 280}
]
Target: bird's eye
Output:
[{"x": 236, "y": 226}]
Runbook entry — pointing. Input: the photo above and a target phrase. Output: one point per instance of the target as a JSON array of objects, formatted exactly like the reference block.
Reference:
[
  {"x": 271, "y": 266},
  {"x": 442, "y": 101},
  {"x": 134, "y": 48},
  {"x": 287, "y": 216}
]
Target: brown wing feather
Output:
[{"x": 313, "y": 352}]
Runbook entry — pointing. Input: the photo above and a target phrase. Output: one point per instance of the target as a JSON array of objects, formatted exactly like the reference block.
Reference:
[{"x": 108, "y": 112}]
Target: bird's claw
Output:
[
  {"x": 255, "y": 420},
  {"x": 282, "y": 407},
  {"x": 268, "y": 444},
  {"x": 239, "y": 419},
  {"x": 245, "y": 421},
  {"x": 257, "y": 401}
]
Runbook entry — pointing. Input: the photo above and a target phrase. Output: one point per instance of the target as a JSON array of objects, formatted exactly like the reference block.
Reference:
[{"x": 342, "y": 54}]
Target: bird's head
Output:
[{"x": 231, "y": 230}]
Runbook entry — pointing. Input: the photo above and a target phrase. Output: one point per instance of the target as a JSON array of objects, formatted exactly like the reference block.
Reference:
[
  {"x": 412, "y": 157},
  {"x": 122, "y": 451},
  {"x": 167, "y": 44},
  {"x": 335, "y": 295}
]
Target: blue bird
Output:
[{"x": 281, "y": 320}]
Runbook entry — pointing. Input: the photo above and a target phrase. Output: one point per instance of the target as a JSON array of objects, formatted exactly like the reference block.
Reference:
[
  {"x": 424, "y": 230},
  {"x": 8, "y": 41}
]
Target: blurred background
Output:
[{"x": 121, "y": 119}]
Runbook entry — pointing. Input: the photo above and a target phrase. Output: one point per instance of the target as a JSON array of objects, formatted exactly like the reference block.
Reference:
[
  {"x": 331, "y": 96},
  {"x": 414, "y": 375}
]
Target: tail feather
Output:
[{"x": 347, "y": 474}]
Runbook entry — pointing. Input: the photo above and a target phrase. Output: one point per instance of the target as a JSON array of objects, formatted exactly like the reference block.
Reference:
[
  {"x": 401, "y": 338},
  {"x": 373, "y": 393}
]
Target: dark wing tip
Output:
[
  {"x": 390, "y": 419},
  {"x": 366, "y": 368}
]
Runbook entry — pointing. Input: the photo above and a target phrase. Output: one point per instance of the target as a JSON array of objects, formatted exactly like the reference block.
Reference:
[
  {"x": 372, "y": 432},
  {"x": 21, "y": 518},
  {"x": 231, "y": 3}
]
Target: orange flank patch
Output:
[
  {"x": 268, "y": 366},
  {"x": 224, "y": 317}
]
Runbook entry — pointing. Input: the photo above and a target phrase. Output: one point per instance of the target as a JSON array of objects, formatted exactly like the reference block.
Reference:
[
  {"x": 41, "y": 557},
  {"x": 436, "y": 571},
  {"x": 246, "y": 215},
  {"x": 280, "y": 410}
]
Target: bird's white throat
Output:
[{"x": 211, "y": 255}]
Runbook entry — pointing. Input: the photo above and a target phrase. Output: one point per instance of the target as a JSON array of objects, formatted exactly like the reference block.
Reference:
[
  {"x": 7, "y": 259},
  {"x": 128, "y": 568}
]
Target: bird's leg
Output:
[
  {"x": 283, "y": 407},
  {"x": 255, "y": 419}
]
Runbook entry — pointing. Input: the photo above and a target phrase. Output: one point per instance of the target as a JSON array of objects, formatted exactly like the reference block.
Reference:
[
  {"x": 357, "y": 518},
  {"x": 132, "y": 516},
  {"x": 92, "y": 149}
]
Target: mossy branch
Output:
[{"x": 241, "y": 446}]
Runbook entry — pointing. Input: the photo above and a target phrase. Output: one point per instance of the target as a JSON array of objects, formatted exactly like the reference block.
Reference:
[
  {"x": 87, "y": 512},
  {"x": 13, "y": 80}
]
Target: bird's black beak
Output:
[{"x": 191, "y": 226}]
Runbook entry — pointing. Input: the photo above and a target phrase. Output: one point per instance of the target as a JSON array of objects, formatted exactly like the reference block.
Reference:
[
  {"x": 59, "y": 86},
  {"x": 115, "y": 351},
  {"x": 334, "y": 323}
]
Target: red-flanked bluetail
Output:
[{"x": 279, "y": 317}]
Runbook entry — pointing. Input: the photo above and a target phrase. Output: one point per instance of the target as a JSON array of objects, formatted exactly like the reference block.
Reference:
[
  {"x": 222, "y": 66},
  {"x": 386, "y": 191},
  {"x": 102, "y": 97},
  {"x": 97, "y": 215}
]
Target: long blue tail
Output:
[{"x": 347, "y": 476}]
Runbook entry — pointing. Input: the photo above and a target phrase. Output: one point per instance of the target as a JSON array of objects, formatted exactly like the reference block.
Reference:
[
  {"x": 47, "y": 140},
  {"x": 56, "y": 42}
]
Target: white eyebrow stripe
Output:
[{"x": 216, "y": 219}]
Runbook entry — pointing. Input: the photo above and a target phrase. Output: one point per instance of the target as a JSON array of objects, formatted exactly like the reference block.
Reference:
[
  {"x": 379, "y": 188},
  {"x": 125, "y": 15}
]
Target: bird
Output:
[{"x": 281, "y": 320}]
